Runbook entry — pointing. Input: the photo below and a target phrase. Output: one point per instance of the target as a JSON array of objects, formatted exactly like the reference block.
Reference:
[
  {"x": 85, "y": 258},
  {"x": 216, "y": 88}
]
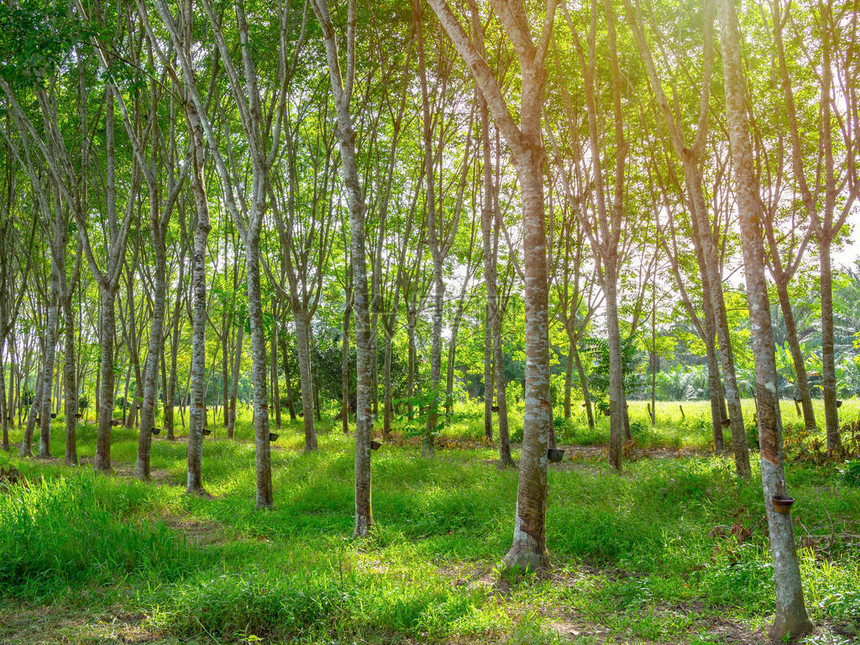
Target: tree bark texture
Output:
[
  {"x": 197, "y": 411},
  {"x": 155, "y": 348},
  {"x": 365, "y": 343},
  {"x": 70, "y": 382},
  {"x": 107, "y": 315},
  {"x": 791, "y": 619},
  {"x": 303, "y": 344}
]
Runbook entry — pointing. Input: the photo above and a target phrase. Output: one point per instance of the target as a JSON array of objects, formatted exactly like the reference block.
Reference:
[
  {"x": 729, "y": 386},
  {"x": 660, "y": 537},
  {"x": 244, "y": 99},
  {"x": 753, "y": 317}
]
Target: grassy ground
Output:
[{"x": 673, "y": 550}]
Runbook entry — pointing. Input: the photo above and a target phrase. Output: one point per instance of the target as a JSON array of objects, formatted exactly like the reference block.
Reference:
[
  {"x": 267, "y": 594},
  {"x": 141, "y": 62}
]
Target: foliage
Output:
[
  {"x": 683, "y": 384},
  {"x": 802, "y": 445},
  {"x": 851, "y": 473},
  {"x": 597, "y": 349},
  {"x": 35, "y": 37}
]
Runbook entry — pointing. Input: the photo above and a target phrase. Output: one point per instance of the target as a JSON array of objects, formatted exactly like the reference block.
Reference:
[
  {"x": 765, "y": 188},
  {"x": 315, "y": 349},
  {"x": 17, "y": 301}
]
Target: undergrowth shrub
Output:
[{"x": 851, "y": 473}]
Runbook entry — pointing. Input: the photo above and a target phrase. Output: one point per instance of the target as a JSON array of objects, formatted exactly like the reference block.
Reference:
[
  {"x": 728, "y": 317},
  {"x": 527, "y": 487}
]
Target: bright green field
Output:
[{"x": 637, "y": 557}]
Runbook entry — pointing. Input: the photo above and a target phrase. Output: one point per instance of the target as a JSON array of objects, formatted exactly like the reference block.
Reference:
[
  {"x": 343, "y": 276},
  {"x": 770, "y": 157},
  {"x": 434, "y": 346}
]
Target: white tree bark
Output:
[{"x": 365, "y": 344}]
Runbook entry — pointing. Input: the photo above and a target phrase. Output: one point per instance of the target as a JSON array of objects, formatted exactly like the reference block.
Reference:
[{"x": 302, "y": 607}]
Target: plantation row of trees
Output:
[{"x": 365, "y": 210}]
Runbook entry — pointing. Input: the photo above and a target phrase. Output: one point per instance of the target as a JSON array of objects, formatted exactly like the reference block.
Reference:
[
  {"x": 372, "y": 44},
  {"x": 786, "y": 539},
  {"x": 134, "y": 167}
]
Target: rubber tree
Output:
[
  {"x": 825, "y": 170},
  {"x": 342, "y": 83},
  {"x": 606, "y": 186},
  {"x": 441, "y": 228},
  {"x": 71, "y": 408},
  {"x": 69, "y": 178},
  {"x": 202, "y": 226},
  {"x": 15, "y": 265},
  {"x": 247, "y": 210},
  {"x": 704, "y": 325},
  {"x": 160, "y": 210},
  {"x": 494, "y": 365},
  {"x": 791, "y": 620},
  {"x": 524, "y": 140},
  {"x": 691, "y": 157},
  {"x": 304, "y": 217}
]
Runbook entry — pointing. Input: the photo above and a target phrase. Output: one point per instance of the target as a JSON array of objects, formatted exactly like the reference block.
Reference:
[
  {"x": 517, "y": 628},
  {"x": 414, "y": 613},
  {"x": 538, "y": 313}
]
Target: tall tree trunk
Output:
[
  {"x": 5, "y": 407},
  {"x": 102, "y": 460},
  {"x": 625, "y": 419},
  {"x": 108, "y": 285},
  {"x": 225, "y": 375},
  {"x": 98, "y": 388},
  {"x": 170, "y": 392},
  {"x": 133, "y": 342},
  {"x": 32, "y": 415},
  {"x": 197, "y": 373},
  {"x": 70, "y": 382},
  {"x": 452, "y": 357},
  {"x": 344, "y": 370},
  {"x": 342, "y": 85},
  {"x": 568, "y": 377},
  {"x": 583, "y": 383},
  {"x": 715, "y": 384},
  {"x": 365, "y": 343},
  {"x": 125, "y": 414},
  {"x": 164, "y": 403},
  {"x": 265, "y": 497},
  {"x": 791, "y": 619},
  {"x": 828, "y": 358},
  {"x": 529, "y": 543},
  {"x": 48, "y": 373},
  {"x": 318, "y": 405},
  {"x": 796, "y": 355},
  {"x": 229, "y": 322},
  {"x": 655, "y": 358},
  {"x": 155, "y": 349},
  {"x": 488, "y": 367},
  {"x": 411, "y": 321},
  {"x": 501, "y": 394},
  {"x": 493, "y": 329},
  {"x": 288, "y": 375},
  {"x": 431, "y": 428},
  {"x": 303, "y": 344},
  {"x": 388, "y": 388},
  {"x": 616, "y": 373},
  {"x": 528, "y": 548},
  {"x": 58, "y": 375},
  {"x": 276, "y": 394},
  {"x": 234, "y": 385}
]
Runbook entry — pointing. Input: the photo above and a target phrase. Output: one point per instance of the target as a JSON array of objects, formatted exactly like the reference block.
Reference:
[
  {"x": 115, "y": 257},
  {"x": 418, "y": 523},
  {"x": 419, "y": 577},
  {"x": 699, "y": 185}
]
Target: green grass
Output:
[{"x": 635, "y": 555}]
